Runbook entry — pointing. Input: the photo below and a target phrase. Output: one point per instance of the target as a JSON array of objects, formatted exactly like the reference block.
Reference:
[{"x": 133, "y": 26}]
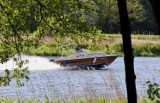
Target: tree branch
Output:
[{"x": 56, "y": 13}]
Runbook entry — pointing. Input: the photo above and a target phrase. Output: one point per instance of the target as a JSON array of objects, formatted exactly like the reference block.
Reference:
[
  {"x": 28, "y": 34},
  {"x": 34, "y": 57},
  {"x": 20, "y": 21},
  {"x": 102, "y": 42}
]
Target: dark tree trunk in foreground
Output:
[
  {"x": 128, "y": 55},
  {"x": 155, "y": 7}
]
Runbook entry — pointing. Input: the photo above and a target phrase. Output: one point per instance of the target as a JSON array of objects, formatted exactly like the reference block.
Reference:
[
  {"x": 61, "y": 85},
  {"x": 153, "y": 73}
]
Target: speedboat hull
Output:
[{"x": 96, "y": 62}]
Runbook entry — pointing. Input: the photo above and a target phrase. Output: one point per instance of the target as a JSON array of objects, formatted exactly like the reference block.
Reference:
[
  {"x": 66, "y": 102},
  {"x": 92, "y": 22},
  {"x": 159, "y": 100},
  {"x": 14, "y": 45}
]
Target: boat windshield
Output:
[{"x": 81, "y": 50}]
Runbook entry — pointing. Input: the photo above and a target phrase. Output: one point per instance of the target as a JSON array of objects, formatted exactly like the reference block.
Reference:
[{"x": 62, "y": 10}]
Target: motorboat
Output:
[{"x": 83, "y": 59}]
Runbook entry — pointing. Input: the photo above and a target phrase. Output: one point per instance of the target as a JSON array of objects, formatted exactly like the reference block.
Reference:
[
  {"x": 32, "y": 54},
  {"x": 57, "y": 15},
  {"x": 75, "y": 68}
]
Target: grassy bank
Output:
[
  {"x": 75, "y": 100},
  {"x": 143, "y": 45},
  {"x": 138, "y": 50}
]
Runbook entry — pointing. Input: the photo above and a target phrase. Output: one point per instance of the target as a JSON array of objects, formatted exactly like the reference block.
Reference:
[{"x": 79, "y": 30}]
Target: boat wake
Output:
[{"x": 35, "y": 63}]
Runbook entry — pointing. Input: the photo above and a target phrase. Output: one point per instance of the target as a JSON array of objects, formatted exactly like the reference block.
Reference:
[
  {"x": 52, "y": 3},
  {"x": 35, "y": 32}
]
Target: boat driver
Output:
[{"x": 78, "y": 49}]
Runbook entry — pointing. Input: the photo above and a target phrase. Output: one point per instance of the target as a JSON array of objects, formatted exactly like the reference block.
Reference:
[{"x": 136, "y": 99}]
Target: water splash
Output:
[{"x": 35, "y": 63}]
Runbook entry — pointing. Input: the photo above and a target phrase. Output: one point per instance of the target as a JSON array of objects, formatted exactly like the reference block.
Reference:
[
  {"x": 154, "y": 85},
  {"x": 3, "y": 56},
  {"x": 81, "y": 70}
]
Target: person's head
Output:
[{"x": 77, "y": 48}]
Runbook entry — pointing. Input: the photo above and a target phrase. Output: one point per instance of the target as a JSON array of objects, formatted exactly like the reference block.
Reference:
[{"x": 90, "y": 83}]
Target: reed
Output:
[
  {"x": 75, "y": 100},
  {"x": 145, "y": 49},
  {"x": 143, "y": 45}
]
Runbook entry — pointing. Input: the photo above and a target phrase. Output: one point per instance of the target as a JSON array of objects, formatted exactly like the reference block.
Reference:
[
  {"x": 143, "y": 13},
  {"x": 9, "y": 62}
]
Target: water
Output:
[
  {"x": 35, "y": 63},
  {"x": 49, "y": 79}
]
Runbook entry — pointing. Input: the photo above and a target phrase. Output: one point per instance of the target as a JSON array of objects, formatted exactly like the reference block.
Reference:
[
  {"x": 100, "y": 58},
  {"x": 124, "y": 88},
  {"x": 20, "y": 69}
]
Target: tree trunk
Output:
[
  {"x": 128, "y": 54},
  {"x": 155, "y": 7}
]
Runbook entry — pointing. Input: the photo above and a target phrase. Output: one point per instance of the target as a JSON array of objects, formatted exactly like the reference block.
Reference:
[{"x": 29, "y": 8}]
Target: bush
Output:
[
  {"x": 146, "y": 50},
  {"x": 154, "y": 92},
  {"x": 116, "y": 48}
]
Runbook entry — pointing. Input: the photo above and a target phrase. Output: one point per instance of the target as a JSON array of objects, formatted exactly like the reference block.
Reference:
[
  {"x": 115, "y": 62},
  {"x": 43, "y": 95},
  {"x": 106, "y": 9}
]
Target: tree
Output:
[
  {"x": 128, "y": 53},
  {"x": 24, "y": 22},
  {"x": 108, "y": 19},
  {"x": 155, "y": 7},
  {"x": 147, "y": 23},
  {"x": 139, "y": 12}
]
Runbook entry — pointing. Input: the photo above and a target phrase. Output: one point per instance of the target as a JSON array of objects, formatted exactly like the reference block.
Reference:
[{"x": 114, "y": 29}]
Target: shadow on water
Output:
[{"x": 86, "y": 69}]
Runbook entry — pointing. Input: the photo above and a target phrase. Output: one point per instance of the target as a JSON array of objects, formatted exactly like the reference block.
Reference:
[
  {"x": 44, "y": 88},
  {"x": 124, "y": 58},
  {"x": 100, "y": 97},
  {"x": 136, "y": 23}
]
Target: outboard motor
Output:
[{"x": 51, "y": 60}]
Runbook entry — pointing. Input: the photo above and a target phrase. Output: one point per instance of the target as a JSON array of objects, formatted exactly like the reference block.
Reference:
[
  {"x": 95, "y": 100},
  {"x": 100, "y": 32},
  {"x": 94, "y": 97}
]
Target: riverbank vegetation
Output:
[
  {"x": 139, "y": 12},
  {"x": 75, "y": 100},
  {"x": 109, "y": 43}
]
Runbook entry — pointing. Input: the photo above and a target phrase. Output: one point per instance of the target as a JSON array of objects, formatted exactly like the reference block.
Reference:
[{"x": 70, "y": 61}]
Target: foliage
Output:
[
  {"x": 141, "y": 17},
  {"x": 154, "y": 92},
  {"x": 74, "y": 100},
  {"x": 139, "y": 11},
  {"x": 117, "y": 48},
  {"x": 54, "y": 47},
  {"x": 108, "y": 16},
  {"x": 18, "y": 73},
  {"x": 24, "y": 22},
  {"x": 14, "y": 39},
  {"x": 146, "y": 50}
]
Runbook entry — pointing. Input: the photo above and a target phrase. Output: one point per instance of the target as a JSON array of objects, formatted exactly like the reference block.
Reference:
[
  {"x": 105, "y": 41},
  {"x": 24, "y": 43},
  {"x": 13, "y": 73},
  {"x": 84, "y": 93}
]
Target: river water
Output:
[{"x": 54, "y": 81}]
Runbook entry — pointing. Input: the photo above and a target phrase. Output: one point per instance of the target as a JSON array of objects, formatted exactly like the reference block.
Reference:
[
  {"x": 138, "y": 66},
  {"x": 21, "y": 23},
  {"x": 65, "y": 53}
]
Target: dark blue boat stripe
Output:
[
  {"x": 96, "y": 65},
  {"x": 65, "y": 62}
]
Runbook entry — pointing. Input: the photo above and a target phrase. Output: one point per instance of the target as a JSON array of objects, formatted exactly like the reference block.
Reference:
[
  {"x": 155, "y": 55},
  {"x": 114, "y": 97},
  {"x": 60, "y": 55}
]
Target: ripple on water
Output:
[{"x": 49, "y": 79}]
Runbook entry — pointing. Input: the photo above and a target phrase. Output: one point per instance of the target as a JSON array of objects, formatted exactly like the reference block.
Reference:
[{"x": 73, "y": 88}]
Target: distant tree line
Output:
[
  {"x": 106, "y": 17},
  {"x": 100, "y": 13},
  {"x": 139, "y": 11}
]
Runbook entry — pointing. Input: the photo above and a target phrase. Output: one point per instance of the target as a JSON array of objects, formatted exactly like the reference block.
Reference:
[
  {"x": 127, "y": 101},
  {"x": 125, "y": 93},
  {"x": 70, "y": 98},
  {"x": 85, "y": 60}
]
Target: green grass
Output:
[
  {"x": 74, "y": 100},
  {"x": 115, "y": 48},
  {"x": 138, "y": 36},
  {"x": 147, "y": 50},
  {"x": 143, "y": 45}
]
